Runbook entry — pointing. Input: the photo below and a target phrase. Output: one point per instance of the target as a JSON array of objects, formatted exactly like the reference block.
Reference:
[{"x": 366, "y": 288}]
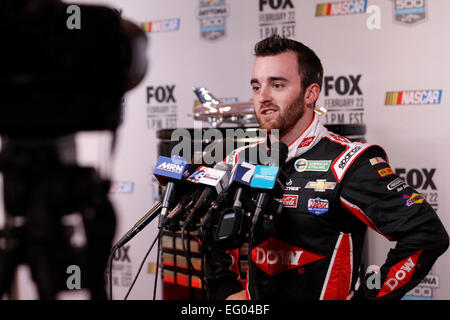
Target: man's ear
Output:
[{"x": 312, "y": 94}]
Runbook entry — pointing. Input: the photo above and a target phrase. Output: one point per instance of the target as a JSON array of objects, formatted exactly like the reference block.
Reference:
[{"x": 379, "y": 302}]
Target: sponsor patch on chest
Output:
[
  {"x": 302, "y": 165},
  {"x": 318, "y": 206},
  {"x": 320, "y": 185},
  {"x": 290, "y": 200},
  {"x": 274, "y": 256}
]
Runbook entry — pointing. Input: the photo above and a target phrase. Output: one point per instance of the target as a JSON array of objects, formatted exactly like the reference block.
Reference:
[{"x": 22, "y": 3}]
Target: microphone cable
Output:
[
  {"x": 142, "y": 223},
  {"x": 142, "y": 263},
  {"x": 111, "y": 257},
  {"x": 188, "y": 255},
  {"x": 157, "y": 265}
]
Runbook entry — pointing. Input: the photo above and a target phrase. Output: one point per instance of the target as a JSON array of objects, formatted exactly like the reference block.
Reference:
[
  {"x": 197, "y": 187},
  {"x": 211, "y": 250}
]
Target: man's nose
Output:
[{"x": 265, "y": 95}]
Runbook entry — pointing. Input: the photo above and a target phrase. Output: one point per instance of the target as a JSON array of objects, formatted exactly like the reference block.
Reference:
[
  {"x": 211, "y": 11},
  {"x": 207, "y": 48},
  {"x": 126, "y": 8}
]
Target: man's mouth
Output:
[{"x": 268, "y": 111}]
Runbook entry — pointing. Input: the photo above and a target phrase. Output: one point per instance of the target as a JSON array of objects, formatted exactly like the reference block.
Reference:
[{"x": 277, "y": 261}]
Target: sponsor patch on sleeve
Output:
[
  {"x": 377, "y": 160},
  {"x": 344, "y": 161},
  {"x": 385, "y": 172},
  {"x": 414, "y": 198},
  {"x": 399, "y": 184},
  {"x": 400, "y": 274}
]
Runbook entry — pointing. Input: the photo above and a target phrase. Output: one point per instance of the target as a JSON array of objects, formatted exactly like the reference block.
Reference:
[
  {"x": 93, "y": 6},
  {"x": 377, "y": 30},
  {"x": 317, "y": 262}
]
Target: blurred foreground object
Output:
[{"x": 54, "y": 82}]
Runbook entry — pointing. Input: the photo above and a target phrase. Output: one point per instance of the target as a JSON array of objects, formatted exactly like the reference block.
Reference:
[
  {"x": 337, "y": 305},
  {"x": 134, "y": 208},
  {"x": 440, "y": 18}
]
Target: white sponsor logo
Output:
[
  {"x": 409, "y": 265},
  {"x": 290, "y": 200},
  {"x": 171, "y": 167},
  {"x": 289, "y": 186},
  {"x": 285, "y": 257},
  {"x": 398, "y": 183}
]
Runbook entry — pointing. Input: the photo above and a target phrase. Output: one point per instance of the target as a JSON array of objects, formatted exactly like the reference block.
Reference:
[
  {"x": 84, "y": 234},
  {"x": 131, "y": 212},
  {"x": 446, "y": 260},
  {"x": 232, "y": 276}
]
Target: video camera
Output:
[{"x": 56, "y": 80}]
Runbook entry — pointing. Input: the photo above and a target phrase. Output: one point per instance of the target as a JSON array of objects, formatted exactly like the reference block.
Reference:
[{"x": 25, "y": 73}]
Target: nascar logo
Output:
[
  {"x": 341, "y": 8},
  {"x": 121, "y": 187},
  {"x": 166, "y": 25},
  {"x": 413, "y": 97}
]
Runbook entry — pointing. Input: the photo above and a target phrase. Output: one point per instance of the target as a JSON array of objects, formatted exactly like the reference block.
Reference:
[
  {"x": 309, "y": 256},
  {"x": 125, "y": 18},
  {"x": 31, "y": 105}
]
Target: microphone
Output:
[
  {"x": 144, "y": 221},
  {"x": 170, "y": 172},
  {"x": 241, "y": 176},
  {"x": 265, "y": 177},
  {"x": 232, "y": 222},
  {"x": 185, "y": 204},
  {"x": 216, "y": 180}
]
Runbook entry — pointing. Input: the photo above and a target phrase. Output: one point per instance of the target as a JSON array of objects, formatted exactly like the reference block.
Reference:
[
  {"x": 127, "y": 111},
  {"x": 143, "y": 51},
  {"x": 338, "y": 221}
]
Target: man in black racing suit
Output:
[{"x": 335, "y": 188}]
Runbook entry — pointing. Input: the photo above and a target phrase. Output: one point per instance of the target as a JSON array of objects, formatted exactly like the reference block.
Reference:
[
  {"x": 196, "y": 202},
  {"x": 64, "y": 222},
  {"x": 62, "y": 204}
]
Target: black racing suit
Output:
[{"x": 334, "y": 190}]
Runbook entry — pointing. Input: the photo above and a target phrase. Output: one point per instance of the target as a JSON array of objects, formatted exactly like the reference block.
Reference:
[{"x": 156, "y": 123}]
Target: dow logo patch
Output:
[
  {"x": 274, "y": 256},
  {"x": 400, "y": 274}
]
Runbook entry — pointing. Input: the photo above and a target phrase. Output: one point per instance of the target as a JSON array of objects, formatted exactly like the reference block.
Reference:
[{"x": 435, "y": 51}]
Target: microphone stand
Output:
[{"x": 141, "y": 224}]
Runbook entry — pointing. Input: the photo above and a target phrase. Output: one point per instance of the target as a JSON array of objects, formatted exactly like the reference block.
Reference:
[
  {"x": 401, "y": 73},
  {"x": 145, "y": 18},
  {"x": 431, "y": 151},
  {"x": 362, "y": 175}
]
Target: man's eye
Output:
[
  {"x": 277, "y": 85},
  {"x": 255, "y": 88}
]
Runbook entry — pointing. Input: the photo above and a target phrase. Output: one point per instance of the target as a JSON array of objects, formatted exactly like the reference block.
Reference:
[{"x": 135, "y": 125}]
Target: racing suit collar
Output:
[{"x": 306, "y": 140}]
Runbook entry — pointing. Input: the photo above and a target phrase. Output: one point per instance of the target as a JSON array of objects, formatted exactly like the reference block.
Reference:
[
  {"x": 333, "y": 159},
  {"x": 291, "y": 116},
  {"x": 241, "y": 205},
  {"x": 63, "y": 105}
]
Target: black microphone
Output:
[
  {"x": 170, "y": 172},
  {"x": 145, "y": 220},
  {"x": 278, "y": 155},
  {"x": 216, "y": 181},
  {"x": 186, "y": 202},
  {"x": 232, "y": 222}
]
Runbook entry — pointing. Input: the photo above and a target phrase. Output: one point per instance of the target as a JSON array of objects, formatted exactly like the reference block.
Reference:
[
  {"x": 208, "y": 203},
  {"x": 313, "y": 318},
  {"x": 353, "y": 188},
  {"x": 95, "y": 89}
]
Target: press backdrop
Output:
[{"x": 385, "y": 65}]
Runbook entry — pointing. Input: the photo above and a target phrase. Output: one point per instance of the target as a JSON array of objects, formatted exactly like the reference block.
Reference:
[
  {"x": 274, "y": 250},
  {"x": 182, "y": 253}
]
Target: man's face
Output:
[{"x": 277, "y": 94}]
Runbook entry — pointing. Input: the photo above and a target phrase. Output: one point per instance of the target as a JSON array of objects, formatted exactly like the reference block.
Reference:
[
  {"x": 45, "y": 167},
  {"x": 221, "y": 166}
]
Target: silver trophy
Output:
[{"x": 215, "y": 112}]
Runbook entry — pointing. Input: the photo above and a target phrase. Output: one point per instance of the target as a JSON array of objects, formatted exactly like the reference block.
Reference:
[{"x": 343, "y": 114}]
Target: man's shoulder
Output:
[{"x": 349, "y": 152}]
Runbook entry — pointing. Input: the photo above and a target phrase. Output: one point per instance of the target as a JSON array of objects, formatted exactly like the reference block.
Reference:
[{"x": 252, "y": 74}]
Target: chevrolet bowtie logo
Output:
[{"x": 320, "y": 185}]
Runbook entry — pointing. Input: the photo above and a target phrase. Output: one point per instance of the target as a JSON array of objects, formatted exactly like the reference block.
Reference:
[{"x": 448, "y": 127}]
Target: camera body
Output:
[{"x": 57, "y": 80}]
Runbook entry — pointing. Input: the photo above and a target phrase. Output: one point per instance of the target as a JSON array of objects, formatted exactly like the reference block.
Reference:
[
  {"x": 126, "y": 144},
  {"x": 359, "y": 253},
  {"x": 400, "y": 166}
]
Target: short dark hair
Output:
[{"x": 309, "y": 65}]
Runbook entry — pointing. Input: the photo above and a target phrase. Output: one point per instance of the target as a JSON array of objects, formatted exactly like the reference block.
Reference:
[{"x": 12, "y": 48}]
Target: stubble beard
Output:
[{"x": 287, "y": 117}]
